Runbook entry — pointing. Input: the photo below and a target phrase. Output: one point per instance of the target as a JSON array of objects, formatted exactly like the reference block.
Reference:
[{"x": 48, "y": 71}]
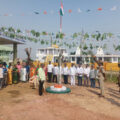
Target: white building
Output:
[{"x": 52, "y": 54}]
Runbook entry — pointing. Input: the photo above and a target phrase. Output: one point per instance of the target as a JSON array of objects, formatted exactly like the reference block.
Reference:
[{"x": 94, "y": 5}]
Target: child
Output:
[{"x": 33, "y": 81}]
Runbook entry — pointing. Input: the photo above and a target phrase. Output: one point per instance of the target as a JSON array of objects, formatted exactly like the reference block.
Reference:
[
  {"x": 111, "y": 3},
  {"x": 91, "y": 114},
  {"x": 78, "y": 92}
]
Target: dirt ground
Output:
[{"x": 20, "y": 102}]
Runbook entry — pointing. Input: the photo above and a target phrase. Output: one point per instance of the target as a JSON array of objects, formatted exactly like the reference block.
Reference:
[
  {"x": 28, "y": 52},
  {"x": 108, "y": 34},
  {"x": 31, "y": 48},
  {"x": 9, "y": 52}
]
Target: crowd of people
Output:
[{"x": 83, "y": 75}]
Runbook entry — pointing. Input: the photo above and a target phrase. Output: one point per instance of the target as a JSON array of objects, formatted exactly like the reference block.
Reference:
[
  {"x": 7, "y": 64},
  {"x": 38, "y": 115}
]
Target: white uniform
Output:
[
  {"x": 80, "y": 71},
  {"x": 23, "y": 74},
  {"x": 55, "y": 70},
  {"x": 65, "y": 71},
  {"x": 72, "y": 75},
  {"x": 86, "y": 71},
  {"x": 50, "y": 67}
]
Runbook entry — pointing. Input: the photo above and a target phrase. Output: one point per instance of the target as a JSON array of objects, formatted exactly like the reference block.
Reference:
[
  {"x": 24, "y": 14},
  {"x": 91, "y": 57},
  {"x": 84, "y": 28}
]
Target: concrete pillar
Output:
[{"x": 14, "y": 52}]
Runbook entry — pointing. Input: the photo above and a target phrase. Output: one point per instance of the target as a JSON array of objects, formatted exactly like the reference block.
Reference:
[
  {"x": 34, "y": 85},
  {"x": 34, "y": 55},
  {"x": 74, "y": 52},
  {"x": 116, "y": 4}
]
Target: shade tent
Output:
[{"x": 7, "y": 41}]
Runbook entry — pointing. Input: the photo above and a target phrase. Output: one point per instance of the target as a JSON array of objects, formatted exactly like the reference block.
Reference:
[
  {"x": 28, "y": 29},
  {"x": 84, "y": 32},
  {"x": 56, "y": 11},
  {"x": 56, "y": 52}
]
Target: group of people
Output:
[
  {"x": 82, "y": 74},
  {"x": 85, "y": 75}
]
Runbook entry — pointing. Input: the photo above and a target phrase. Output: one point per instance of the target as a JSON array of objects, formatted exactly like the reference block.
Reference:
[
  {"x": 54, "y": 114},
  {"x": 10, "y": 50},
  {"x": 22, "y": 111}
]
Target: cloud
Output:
[
  {"x": 114, "y": 8},
  {"x": 79, "y": 10}
]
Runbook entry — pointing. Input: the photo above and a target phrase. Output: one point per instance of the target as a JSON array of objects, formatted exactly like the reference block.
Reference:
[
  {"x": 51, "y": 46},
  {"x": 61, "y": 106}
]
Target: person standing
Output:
[
  {"x": 101, "y": 77},
  {"x": 15, "y": 78},
  {"x": 65, "y": 73},
  {"x": 9, "y": 75},
  {"x": 23, "y": 74},
  {"x": 1, "y": 76},
  {"x": 19, "y": 69},
  {"x": 28, "y": 71},
  {"x": 41, "y": 75},
  {"x": 55, "y": 73},
  {"x": 72, "y": 74},
  {"x": 86, "y": 73},
  {"x": 50, "y": 68},
  {"x": 92, "y": 76},
  {"x": 80, "y": 74}
]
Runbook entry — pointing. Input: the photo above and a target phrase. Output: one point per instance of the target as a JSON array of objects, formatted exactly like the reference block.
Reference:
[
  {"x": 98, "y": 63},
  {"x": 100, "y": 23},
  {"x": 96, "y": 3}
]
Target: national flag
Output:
[{"x": 61, "y": 10}]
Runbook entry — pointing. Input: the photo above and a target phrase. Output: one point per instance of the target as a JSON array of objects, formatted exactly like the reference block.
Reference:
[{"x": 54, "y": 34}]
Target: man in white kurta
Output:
[
  {"x": 80, "y": 74},
  {"x": 65, "y": 73},
  {"x": 86, "y": 73},
  {"x": 55, "y": 73},
  {"x": 50, "y": 70},
  {"x": 72, "y": 74}
]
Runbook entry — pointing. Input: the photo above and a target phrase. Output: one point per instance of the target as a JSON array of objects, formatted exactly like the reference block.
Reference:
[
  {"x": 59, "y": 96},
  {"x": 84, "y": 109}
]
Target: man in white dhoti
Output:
[{"x": 72, "y": 74}]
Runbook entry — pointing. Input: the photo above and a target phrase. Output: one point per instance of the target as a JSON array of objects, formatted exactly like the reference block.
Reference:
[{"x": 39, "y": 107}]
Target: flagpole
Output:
[{"x": 60, "y": 23}]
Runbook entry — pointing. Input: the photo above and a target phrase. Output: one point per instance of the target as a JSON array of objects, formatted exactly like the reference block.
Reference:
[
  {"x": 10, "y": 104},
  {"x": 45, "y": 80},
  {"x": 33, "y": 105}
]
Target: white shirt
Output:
[
  {"x": 86, "y": 71},
  {"x": 65, "y": 71},
  {"x": 1, "y": 72},
  {"x": 50, "y": 67},
  {"x": 55, "y": 70},
  {"x": 72, "y": 71},
  {"x": 80, "y": 71}
]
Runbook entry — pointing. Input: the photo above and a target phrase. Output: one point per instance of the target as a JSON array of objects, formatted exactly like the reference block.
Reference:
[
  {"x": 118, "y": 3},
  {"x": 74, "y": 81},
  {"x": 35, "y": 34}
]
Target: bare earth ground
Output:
[{"x": 20, "y": 102}]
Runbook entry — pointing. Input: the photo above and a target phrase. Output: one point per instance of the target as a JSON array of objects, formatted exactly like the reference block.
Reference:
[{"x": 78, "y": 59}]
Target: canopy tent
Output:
[{"x": 7, "y": 41}]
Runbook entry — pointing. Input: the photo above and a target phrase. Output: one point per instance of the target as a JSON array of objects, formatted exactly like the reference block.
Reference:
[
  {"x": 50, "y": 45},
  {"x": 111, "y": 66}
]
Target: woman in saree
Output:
[
  {"x": 9, "y": 75},
  {"x": 15, "y": 75}
]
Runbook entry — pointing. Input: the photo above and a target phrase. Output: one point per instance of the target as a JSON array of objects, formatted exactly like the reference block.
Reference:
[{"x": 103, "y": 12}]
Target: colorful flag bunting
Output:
[
  {"x": 70, "y": 11},
  {"x": 114, "y": 8},
  {"x": 88, "y": 10},
  {"x": 36, "y": 13},
  {"x": 45, "y": 12},
  {"x": 79, "y": 10},
  {"x": 99, "y": 9}
]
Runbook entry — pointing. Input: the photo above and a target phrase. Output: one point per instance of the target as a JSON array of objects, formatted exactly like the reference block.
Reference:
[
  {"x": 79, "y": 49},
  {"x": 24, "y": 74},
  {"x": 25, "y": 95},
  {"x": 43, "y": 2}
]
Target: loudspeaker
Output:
[{"x": 118, "y": 64}]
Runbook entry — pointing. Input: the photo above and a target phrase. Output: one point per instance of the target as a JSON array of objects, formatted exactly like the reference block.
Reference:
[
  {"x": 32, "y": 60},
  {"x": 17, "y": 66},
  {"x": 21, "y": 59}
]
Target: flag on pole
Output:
[{"x": 61, "y": 9}]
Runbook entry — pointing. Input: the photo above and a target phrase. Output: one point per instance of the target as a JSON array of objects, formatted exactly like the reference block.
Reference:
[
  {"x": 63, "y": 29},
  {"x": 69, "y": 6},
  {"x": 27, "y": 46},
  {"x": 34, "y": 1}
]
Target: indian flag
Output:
[{"x": 61, "y": 10}]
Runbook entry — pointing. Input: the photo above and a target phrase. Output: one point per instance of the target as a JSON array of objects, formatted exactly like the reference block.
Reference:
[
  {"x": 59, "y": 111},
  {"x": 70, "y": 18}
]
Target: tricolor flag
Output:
[{"x": 61, "y": 10}]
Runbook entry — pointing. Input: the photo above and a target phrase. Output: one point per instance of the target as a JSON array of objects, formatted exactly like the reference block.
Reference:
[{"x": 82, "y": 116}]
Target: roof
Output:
[
  {"x": 6, "y": 40},
  {"x": 5, "y": 48},
  {"x": 51, "y": 48}
]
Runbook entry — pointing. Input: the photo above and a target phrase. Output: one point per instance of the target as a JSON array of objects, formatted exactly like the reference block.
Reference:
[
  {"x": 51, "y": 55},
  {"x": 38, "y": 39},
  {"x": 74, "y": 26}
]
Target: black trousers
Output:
[
  {"x": 49, "y": 77},
  {"x": 41, "y": 87},
  {"x": 66, "y": 79},
  {"x": 55, "y": 78}
]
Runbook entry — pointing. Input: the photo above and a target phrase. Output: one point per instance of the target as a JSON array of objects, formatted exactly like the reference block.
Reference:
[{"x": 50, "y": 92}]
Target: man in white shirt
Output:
[
  {"x": 86, "y": 75},
  {"x": 65, "y": 73},
  {"x": 55, "y": 73},
  {"x": 72, "y": 74},
  {"x": 80, "y": 74},
  {"x": 50, "y": 69}
]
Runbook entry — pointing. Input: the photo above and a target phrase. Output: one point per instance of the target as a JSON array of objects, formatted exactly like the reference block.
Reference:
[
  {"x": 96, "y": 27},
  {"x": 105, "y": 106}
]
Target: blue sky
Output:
[{"x": 103, "y": 21}]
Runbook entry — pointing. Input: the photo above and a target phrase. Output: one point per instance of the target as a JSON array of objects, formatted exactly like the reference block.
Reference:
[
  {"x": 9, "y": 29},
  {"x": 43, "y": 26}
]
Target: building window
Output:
[
  {"x": 73, "y": 58},
  {"x": 115, "y": 59}
]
